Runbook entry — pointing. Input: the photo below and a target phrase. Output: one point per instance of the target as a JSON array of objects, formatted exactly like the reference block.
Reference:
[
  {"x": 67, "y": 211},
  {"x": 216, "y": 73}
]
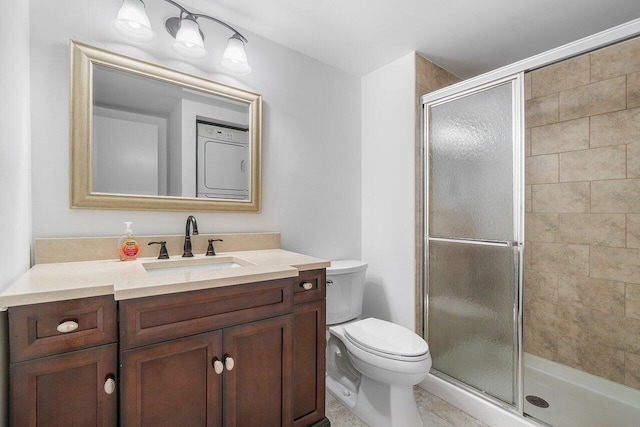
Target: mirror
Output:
[{"x": 148, "y": 137}]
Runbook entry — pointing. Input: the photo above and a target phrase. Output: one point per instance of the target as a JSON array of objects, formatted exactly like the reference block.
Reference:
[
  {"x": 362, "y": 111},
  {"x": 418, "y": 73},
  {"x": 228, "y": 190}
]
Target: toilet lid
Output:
[{"x": 386, "y": 337}]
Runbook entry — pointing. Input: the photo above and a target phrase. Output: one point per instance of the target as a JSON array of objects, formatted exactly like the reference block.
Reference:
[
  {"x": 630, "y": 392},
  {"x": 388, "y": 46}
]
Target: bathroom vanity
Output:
[{"x": 241, "y": 346}]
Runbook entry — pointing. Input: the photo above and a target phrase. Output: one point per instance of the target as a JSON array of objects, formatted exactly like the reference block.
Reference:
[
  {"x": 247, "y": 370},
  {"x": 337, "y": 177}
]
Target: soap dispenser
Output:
[{"x": 127, "y": 244}]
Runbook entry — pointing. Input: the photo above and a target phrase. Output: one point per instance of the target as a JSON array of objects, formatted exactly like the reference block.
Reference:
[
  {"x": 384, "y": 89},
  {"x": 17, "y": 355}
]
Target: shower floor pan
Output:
[{"x": 576, "y": 398}]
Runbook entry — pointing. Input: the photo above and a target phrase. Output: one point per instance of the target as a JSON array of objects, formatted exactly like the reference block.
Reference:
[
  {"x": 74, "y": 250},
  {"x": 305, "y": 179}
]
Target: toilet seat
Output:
[{"x": 386, "y": 339}]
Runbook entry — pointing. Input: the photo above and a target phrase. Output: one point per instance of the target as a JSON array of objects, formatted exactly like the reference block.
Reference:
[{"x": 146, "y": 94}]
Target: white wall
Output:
[
  {"x": 15, "y": 193},
  {"x": 388, "y": 182},
  {"x": 311, "y": 135},
  {"x": 160, "y": 122},
  {"x": 15, "y": 212},
  {"x": 174, "y": 152},
  {"x": 125, "y": 158}
]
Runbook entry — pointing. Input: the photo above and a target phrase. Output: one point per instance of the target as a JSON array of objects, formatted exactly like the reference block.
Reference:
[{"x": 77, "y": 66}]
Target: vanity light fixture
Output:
[{"x": 132, "y": 22}]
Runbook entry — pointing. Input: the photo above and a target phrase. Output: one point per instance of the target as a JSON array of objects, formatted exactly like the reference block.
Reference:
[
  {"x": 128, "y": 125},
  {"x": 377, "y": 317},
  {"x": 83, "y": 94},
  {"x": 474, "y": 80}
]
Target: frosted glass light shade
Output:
[
  {"x": 234, "y": 58},
  {"x": 132, "y": 21},
  {"x": 189, "y": 42}
]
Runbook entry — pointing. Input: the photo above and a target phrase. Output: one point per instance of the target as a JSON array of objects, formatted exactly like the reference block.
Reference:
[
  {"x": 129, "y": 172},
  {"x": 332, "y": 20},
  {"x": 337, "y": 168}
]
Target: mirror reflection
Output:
[{"x": 156, "y": 138}]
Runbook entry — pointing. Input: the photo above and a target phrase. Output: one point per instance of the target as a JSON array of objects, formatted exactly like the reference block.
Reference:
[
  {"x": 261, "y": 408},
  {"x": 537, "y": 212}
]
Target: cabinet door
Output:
[
  {"x": 309, "y": 343},
  {"x": 65, "y": 390},
  {"x": 257, "y": 388},
  {"x": 172, "y": 383}
]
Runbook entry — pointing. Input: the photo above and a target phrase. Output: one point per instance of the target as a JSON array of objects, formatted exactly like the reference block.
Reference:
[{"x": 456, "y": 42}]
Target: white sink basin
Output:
[{"x": 158, "y": 268}]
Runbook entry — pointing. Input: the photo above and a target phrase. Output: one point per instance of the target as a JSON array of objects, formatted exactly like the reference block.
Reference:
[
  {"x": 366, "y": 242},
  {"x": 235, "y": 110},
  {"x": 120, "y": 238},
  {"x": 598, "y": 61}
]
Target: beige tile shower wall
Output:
[{"x": 582, "y": 219}]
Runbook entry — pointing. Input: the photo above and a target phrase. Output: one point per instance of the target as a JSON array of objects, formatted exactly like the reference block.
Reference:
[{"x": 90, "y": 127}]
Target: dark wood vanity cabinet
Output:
[
  {"x": 243, "y": 355},
  {"x": 175, "y": 382},
  {"x": 63, "y": 363},
  {"x": 215, "y": 357}
]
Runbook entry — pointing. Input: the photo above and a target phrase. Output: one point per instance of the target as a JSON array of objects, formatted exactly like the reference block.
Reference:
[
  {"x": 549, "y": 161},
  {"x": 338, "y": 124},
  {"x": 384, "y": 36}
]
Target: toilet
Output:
[{"x": 372, "y": 364}]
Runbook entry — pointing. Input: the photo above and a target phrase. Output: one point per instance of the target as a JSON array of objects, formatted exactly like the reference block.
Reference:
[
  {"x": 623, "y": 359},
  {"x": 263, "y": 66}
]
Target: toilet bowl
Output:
[{"x": 372, "y": 364}]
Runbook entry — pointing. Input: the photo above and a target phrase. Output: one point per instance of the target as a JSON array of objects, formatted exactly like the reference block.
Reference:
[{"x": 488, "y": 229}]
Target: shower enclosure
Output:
[
  {"x": 473, "y": 205},
  {"x": 548, "y": 328}
]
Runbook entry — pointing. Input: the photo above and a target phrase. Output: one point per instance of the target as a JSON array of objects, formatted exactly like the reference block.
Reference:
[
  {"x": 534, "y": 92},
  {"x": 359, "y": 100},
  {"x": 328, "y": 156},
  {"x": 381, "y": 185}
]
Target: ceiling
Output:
[{"x": 466, "y": 37}]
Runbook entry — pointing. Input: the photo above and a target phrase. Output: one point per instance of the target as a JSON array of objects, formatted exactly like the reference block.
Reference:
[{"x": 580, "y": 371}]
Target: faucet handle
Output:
[
  {"x": 210, "y": 250},
  {"x": 163, "y": 249}
]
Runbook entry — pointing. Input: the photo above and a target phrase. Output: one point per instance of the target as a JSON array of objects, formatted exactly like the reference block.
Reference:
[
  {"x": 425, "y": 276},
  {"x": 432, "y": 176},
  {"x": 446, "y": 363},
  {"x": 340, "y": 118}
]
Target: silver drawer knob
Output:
[
  {"x": 66, "y": 327},
  {"x": 307, "y": 286}
]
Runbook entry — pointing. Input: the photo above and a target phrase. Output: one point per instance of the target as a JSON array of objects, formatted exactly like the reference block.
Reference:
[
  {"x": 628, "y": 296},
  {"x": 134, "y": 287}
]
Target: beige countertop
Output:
[{"x": 130, "y": 279}]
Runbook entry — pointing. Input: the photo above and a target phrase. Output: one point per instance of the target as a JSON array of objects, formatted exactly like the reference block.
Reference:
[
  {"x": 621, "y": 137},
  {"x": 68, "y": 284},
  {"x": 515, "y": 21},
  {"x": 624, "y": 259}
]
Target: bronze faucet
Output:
[{"x": 191, "y": 221}]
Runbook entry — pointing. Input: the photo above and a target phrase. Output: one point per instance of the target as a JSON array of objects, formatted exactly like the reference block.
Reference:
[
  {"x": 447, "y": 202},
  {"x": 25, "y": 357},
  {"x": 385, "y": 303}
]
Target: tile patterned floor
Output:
[{"x": 434, "y": 411}]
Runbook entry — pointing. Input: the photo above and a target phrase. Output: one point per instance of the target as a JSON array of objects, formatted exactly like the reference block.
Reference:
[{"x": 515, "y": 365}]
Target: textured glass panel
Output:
[
  {"x": 471, "y": 166},
  {"x": 471, "y": 308}
]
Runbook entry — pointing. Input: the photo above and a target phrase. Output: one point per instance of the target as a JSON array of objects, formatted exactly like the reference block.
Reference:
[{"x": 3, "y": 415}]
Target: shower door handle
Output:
[{"x": 485, "y": 242}]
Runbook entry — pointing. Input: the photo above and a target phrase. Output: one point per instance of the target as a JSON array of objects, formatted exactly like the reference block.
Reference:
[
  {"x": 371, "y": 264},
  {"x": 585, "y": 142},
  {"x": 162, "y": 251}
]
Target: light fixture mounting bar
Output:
[{"x": 170, "y": 27}]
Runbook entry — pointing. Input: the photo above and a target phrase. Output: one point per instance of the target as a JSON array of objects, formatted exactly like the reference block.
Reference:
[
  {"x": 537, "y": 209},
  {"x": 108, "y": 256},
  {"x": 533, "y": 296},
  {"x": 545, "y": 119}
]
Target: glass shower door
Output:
[{"x": 473, "y": 237}]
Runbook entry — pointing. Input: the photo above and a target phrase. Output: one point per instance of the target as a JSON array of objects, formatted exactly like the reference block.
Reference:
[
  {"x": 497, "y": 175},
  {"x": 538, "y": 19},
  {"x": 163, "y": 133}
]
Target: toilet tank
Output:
[{"x": 345, "y": 290}]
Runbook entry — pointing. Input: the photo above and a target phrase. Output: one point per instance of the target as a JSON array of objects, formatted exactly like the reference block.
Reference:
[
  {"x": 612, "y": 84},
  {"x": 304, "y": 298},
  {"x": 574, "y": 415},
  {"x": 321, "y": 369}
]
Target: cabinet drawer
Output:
[
  {"x": 310, "y": 286},
  {"x": 154, "y": 319},
  {"x": 33, "y": 329}
]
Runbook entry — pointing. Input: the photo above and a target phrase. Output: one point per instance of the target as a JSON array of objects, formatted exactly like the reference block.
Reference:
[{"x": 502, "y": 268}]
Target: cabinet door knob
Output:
[
  {"x": 67, "y": 326},
  {"x": 110, "y": 386},
  {"x": 229, "y": 363},
  {"x": 307, "y": 286},
  {"x": 218, "y": 366}
]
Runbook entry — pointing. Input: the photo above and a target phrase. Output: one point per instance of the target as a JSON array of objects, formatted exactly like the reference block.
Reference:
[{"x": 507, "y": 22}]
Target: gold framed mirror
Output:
[{"x": 147, "y": 137}]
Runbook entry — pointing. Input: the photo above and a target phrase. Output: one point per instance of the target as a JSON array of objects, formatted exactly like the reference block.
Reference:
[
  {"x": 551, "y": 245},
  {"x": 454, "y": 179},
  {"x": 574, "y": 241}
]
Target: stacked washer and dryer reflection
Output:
[{"x": 223, "y": 166}]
